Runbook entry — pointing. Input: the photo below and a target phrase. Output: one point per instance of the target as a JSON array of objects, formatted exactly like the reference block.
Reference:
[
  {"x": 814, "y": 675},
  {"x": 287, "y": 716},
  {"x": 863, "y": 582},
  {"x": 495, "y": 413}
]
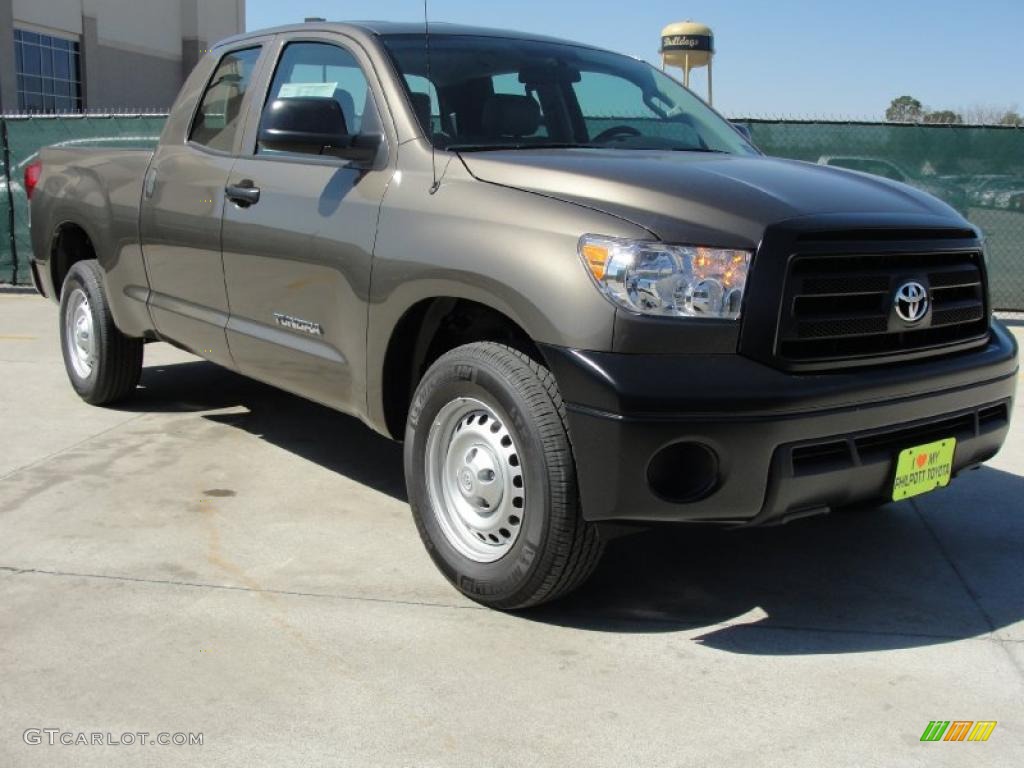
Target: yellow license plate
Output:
[{"x": 923, "y": 468}]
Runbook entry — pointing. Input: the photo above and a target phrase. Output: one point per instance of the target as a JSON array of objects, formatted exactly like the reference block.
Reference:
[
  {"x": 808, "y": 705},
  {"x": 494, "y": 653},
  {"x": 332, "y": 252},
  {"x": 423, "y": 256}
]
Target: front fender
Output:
[{"x": 510, "y": 250}]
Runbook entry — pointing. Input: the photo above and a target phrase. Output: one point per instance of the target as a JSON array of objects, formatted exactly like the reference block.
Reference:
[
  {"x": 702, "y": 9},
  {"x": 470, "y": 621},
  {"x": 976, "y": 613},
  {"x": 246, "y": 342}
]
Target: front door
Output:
[
  {"x": 183, "y": 199},
  {"x": 297, "y": 259}
]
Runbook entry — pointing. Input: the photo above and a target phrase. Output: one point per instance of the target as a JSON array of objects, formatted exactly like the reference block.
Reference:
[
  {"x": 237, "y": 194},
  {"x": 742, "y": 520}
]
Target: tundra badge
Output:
[{"x": 297, "y": 324}]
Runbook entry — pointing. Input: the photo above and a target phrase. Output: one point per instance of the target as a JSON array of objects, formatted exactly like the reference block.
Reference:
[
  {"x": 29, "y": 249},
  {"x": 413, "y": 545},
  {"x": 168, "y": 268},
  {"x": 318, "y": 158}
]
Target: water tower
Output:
[{"x": 688, "y": 45}]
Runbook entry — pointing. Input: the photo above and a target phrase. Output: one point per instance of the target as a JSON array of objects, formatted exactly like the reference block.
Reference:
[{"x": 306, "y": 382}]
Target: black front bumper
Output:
[{"x": 787, "y": 444}]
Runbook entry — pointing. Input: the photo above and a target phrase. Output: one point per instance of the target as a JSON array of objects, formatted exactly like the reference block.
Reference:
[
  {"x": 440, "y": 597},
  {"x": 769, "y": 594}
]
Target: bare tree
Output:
[
  {"x": 907, "y": 109},
  {"x": 988, "y": 114}
]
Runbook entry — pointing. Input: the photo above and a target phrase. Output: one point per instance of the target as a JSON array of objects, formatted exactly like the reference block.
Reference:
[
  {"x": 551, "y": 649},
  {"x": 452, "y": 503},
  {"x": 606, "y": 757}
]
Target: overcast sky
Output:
[{"x": 785, "y": 57}]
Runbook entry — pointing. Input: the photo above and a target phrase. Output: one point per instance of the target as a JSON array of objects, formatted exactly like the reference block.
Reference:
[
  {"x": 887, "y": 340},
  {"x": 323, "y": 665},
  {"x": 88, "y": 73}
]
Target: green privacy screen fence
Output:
[
  {"x": 978, "y": 170},
  {"x": 22, "y": 139}
]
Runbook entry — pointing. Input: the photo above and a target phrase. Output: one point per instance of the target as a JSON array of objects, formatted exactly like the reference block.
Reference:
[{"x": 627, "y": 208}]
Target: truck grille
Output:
[{"x": 841, "y": 307}]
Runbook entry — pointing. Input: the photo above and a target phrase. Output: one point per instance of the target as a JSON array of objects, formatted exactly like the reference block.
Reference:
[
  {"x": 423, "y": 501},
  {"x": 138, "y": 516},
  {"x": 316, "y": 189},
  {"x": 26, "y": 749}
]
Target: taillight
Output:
[{"x": 32, "y": 173}]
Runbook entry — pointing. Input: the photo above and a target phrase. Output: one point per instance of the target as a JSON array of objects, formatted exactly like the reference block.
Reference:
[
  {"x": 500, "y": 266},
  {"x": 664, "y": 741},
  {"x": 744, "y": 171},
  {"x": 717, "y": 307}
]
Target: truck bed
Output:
[{"x": 100, "y": 189}]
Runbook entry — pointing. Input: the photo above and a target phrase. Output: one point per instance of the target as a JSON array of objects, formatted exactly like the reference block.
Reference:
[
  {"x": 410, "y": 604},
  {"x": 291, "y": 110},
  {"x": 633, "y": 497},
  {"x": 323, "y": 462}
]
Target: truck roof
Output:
[{"x": 377, "y": 28}]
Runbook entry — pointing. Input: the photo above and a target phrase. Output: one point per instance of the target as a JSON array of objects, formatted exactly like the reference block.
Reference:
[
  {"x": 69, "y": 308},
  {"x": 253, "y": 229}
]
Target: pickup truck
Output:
[{"x": 583, "y": 300}]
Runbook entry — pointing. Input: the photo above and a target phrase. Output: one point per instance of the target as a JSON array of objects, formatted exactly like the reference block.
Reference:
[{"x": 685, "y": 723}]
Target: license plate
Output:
[{"x": 923, "y": 468}]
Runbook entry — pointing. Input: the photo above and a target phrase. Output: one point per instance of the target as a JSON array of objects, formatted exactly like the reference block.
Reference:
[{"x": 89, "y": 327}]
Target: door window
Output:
[
  {"x": 326, "y": 71},
  {"x": 218, "y": 120}
]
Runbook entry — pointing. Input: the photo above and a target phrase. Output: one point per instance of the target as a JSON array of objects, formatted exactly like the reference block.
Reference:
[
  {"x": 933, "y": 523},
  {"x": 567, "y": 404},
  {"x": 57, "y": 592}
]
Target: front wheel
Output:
[
  {"x": 103, "y": 364},
  {"x": 492, "y": 481}
]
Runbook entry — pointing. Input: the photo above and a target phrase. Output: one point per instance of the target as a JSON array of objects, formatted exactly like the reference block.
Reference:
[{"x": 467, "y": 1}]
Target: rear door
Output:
[
  {"x": 297, "y": 261},
  {"x": 183, "y": 200}
]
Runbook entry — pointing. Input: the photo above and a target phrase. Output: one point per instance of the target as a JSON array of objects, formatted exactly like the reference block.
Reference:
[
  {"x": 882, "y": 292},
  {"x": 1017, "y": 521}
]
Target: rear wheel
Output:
[
  {"x": 491, "y": 478},
  {"x": 102, "y": 363}
]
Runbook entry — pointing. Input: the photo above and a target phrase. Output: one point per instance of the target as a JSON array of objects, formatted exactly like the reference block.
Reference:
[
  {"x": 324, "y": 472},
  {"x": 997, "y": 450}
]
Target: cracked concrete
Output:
[{"x": 220, "y": 557}]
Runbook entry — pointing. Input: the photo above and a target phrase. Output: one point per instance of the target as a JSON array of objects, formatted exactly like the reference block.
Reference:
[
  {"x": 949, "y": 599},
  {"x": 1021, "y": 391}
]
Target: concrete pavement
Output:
[{"x": 216, "y": 556}]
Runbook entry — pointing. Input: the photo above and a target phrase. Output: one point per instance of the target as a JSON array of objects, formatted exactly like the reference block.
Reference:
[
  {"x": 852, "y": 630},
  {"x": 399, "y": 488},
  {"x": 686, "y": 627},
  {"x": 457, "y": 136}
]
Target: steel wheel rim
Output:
[
  {"x": 79, "y": 333},
  {"x": 475, "y": 480}
]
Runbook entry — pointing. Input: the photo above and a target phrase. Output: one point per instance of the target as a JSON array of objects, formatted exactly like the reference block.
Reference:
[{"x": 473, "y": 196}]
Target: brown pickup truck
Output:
[{"x": 580, "y": 296}]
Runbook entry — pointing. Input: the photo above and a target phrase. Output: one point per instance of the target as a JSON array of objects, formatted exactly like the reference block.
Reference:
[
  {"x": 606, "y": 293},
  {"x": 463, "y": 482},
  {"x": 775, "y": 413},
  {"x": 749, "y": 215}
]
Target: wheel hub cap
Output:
[
  {"x": 475, "y": 480},
  {"x": 81, "y": 342}
]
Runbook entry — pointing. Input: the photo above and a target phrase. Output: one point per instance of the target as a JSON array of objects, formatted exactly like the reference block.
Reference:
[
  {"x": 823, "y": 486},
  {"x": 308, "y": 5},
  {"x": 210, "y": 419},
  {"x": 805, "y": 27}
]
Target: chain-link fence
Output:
[{"x": 978, "y": 170}]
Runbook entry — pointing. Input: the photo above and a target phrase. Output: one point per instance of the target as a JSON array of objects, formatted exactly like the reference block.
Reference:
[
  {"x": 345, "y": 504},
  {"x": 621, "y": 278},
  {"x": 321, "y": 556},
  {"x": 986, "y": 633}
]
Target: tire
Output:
[
  {"x": 491, "y": 479},
  {"x": 102, "y": 363}
]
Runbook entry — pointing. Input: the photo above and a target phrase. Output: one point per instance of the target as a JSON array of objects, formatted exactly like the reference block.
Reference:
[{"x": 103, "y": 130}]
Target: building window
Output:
[{"x": 49, "y": 73}]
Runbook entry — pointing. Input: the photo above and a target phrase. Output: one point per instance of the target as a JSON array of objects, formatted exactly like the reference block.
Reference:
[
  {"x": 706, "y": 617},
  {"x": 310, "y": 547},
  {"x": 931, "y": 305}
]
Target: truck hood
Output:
[{"x": 692, "y": 197}]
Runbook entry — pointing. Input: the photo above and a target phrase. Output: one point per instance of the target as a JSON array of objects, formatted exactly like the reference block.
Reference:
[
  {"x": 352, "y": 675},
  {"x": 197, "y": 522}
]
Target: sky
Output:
[{"x": 785, "y": 58}]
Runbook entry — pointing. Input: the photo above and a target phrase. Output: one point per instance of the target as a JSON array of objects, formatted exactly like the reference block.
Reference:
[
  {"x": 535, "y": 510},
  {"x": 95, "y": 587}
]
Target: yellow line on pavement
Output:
[{"x": 5, "y": 337}]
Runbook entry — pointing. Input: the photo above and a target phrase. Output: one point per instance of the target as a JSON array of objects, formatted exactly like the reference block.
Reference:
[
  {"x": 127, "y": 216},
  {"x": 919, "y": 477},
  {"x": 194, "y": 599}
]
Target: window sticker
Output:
[{"x": 293, "y": 90}]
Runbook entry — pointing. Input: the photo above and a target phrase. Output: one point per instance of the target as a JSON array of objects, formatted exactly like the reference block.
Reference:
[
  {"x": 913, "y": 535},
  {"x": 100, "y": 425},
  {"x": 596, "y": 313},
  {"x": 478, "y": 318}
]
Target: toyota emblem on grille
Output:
[{"x": 911, "y": 302}]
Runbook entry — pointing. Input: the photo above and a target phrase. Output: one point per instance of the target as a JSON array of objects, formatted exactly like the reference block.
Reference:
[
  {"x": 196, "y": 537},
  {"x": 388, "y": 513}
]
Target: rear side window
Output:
[{"x": 220, "y": 112}]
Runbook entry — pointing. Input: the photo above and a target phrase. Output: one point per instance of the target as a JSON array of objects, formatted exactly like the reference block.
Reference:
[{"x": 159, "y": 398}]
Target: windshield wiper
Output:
[
  {"x": 574, "y": 145},
  {"x": 701, "y": 149},
  {"x": 497, "y": 147}
]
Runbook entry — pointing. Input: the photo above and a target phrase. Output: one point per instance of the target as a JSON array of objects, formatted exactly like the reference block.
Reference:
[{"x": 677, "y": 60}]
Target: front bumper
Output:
[{"x": 787, "y": 445}]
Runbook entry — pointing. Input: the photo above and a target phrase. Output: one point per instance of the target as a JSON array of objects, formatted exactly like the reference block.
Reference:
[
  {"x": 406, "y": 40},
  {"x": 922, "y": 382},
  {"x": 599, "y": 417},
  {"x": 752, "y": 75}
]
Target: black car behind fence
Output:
[{"x": 979, "y": 170}]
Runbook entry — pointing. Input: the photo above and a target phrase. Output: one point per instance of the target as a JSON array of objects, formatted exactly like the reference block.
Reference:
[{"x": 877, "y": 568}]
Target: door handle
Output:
[
  {"x": 149, "y": 183},
  {"x": 243, "y": 194}
]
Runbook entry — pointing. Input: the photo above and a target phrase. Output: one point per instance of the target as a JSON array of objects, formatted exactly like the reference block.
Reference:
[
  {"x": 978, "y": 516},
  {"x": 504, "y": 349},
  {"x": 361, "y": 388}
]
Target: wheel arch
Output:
[
  {"x": 426, "y": 330},
  {"x": 69, "y": 244}
]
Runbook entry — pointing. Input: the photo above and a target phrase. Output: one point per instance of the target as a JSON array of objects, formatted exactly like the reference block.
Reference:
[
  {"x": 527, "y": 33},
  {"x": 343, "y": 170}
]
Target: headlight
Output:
[{"x": 653, "y": 278}]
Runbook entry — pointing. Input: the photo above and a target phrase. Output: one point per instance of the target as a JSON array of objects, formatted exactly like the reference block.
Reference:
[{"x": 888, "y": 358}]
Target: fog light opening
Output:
[{"x": 683, "y": 472}]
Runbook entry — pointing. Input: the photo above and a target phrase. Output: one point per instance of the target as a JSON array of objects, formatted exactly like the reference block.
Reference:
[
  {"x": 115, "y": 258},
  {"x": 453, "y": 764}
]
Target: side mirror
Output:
[{"x": 314, "y": 125}]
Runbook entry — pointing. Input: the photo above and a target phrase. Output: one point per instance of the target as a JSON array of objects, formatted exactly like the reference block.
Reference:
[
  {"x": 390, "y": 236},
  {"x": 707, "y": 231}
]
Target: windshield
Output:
[{"x": 500, "y": 93}]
